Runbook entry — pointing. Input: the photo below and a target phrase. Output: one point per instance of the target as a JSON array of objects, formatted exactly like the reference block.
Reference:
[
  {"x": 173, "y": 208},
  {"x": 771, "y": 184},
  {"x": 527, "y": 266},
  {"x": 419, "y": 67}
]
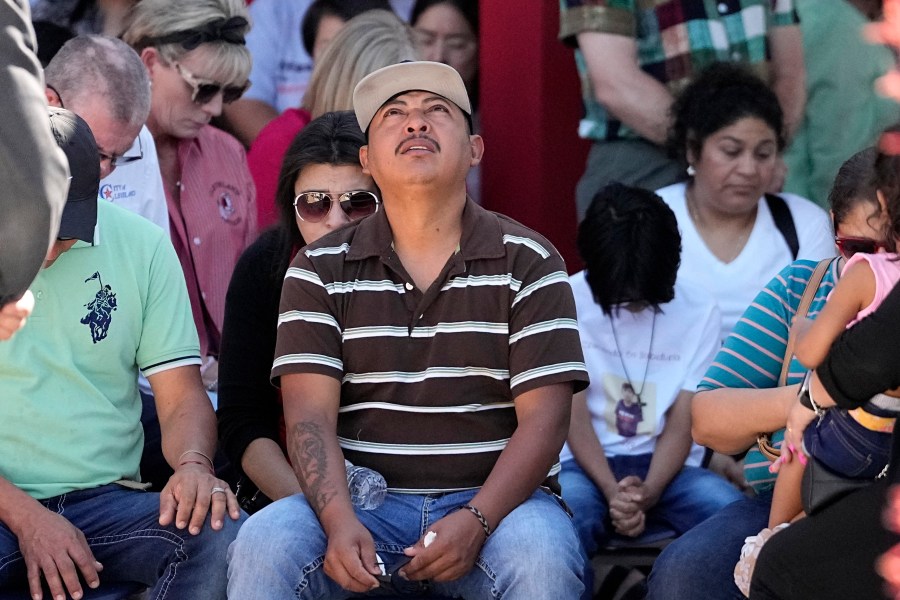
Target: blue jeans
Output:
[
  {"x": 846, "y": 447},
  {"x": 533, "y": 552},
  {"x": 692, "y": 496},
  {"x": 123, "y": 531},
  {"x": 700, "y": 563}
]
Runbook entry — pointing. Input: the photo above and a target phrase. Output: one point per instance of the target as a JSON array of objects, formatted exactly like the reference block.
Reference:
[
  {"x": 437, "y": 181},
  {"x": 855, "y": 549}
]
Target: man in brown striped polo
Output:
[{"x": 435, "y": 343}]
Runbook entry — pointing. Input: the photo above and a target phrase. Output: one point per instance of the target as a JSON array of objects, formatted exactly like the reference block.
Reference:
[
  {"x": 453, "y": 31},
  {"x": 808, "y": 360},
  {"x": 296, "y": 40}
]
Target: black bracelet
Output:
[
  {"x": 484, "y": 523},
  {"x": 806, "y": 398}
]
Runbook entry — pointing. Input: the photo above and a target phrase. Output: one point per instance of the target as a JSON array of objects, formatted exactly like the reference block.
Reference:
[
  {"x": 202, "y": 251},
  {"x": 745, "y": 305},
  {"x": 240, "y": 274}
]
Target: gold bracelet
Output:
[{"x": 211, "y": 464}]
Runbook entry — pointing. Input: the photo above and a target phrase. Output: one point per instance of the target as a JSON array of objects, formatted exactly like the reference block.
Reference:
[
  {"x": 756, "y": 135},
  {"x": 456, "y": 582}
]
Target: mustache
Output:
[{"x": 417, "y": 137}]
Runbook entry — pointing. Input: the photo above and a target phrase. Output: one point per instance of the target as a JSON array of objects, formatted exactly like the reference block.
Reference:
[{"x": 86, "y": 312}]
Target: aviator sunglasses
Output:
[
  {"x": 204, "y": 90},
  {"x": 312, "y": 207}
]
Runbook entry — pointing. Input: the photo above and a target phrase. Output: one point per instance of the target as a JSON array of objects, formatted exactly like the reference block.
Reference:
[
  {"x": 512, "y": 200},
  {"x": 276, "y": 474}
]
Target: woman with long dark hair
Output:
[{"x": 321, "y": 186}]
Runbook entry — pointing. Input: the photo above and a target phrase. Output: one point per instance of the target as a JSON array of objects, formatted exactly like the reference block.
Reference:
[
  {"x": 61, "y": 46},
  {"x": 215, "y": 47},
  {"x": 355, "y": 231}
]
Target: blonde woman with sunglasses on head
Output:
[
  {"x": 195, "y": 54},
  {"x": 320, "y": 188}
]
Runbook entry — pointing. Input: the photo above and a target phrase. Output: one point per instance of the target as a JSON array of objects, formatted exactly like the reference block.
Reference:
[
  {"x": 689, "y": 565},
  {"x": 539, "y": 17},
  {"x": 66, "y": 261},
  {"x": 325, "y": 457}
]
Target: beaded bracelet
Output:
[{"x": 484, "y": 523}]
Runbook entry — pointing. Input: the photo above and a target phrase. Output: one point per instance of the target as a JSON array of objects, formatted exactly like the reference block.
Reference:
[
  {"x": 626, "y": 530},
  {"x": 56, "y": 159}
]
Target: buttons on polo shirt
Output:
[
  {"x": 409, "y": 286},
  {"x": 196, "y": 241},
  {"x": 39, "y": 295},
  {"x": 737, "y": 56},
  {"x": 723, "y": 8}
]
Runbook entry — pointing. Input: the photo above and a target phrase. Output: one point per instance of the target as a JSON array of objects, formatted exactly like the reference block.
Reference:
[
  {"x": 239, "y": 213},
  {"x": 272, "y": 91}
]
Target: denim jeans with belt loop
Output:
[{"x": 533, "y": 553}]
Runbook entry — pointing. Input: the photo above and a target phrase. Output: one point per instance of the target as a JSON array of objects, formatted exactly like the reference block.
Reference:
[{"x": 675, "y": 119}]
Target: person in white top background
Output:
[
  {"x": 728, "y": 127},
  {"x": 647, "y": 339}
]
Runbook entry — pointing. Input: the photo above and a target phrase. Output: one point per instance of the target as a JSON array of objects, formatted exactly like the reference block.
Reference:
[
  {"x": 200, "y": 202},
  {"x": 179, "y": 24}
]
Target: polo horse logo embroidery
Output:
[{"x": 100, "y": 310}]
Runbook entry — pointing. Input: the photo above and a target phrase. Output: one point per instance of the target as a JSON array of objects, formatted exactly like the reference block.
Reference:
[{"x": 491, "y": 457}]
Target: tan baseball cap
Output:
[{"x": 378, "y": 87}]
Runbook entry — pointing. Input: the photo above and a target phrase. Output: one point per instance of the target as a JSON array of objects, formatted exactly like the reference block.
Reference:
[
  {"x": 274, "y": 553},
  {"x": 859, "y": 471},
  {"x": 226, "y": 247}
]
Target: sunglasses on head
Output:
[
  {"x": 204, "y": 90},
  {"x": 849, "y": 246},
  {"x": 312, "y": 207}
]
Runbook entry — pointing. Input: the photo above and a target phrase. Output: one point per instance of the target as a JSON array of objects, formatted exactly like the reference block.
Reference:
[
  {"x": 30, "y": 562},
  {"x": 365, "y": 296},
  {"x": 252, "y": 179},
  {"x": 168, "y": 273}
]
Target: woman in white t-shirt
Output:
[
  {"x": 647, "y": 342},
  {"x": 728, "y": 128}
]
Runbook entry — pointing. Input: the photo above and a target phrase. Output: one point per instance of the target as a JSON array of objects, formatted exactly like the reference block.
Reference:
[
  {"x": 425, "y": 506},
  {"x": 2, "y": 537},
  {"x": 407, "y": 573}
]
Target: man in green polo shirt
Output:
[{"x": 110, "y": 301}]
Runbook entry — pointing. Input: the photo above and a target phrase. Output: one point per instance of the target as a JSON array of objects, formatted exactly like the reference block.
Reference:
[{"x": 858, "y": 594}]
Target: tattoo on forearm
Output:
[{"x": 307, "y": 449}]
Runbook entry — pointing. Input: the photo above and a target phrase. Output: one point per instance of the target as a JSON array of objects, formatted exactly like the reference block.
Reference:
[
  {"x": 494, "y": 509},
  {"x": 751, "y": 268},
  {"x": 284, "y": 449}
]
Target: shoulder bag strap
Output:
[
  {"x": 763, "y": 440},
  {"x": 784, "y": 221},
  {"x": 809, "y": 293}
]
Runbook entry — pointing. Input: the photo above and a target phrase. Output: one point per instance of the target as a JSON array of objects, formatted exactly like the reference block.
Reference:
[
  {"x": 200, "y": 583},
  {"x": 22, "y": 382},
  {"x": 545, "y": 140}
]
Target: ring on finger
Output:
[{"x": 217, "y": 490}]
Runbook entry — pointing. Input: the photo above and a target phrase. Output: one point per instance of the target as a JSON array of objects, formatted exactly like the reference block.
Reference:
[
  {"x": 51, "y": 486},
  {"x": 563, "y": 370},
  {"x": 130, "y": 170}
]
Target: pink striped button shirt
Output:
[{"x": 212, "y": 224}]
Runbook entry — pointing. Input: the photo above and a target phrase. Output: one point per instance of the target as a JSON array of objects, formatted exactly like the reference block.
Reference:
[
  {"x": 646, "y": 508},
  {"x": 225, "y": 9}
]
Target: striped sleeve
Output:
[
  {"x": 545, "y": 348},
  {"x": 753, "y": 353},
  {"x": 309, "y": 335}
]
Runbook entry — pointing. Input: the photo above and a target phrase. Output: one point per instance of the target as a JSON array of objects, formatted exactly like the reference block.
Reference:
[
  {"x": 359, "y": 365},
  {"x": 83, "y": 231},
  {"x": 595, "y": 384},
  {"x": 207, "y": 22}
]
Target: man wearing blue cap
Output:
[
  {"x": 435, "y": 343},
  {"x": 110, "y": 300}
]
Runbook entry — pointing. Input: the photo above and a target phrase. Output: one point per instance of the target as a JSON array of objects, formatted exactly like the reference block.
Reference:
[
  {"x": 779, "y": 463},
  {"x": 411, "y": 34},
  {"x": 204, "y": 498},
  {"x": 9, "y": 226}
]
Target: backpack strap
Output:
[{"x": 784, "y": 221}]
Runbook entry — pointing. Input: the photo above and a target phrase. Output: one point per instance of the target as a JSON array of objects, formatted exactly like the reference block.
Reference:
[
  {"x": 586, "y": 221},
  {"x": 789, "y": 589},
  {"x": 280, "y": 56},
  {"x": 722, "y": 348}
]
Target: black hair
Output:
[
  {"x": 853, "y": 184},
  {"x": 630, "y": 244},
  {"x": 467, "y": 8},
  {"x": 722, "y": 94},
  {"x": 333, "y": 139},
  {"x": 887, "y": 181},
  {"x": 343, "y": 9}
]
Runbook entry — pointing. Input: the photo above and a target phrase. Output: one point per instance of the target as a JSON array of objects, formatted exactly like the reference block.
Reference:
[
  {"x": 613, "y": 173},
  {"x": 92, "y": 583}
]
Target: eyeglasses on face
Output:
[
  {"x": 204, "y": 90},
  {"x": 313, "y": 207},
  {"x": 118, "y": 161},
  {"x": 849, "y": 246},
  {"x": 115, "y": 161}
]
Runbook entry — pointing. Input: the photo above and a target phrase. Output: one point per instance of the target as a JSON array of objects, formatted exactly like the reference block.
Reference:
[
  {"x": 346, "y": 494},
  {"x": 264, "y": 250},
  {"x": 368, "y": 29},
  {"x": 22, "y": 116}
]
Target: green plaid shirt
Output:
[{"x": 675, "y": 39}]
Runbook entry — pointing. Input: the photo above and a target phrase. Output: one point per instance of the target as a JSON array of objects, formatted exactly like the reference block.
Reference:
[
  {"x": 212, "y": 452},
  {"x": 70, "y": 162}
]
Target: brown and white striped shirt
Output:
[{"x": 429, "y": 379}]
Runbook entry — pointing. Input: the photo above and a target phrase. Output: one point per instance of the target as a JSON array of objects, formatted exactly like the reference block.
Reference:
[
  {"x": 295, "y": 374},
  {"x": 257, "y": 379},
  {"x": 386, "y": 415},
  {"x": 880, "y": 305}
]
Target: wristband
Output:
[
  {"x": 806, "y": 398},
  {"x": 479, "y": 516}
]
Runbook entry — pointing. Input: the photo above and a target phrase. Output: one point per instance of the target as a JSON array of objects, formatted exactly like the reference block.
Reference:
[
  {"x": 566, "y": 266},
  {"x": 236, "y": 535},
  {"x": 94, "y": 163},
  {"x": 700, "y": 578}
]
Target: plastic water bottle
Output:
[{"x": 367, "y": 487}]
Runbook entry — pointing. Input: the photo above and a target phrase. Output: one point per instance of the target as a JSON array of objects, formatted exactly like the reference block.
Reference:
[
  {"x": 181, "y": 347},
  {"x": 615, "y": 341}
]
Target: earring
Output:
[{"x": 691, "y": 171}]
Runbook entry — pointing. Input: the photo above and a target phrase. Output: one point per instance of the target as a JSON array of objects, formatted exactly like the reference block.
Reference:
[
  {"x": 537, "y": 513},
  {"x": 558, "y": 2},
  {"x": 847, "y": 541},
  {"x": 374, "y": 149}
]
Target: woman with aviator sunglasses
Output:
[
  {"x": 195, "y": 54},
  {"x": 321, "y": 187},
  {"x": 740, "y": 397}
]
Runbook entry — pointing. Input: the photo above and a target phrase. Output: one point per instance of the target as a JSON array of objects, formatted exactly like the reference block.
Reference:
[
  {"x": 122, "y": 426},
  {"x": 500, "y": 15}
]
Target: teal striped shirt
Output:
[{"x": 753, "y": 353}]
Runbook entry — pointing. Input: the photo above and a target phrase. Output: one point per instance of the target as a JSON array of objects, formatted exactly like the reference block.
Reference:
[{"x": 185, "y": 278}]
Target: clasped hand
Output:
[{"x": 628, "y": 507}]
